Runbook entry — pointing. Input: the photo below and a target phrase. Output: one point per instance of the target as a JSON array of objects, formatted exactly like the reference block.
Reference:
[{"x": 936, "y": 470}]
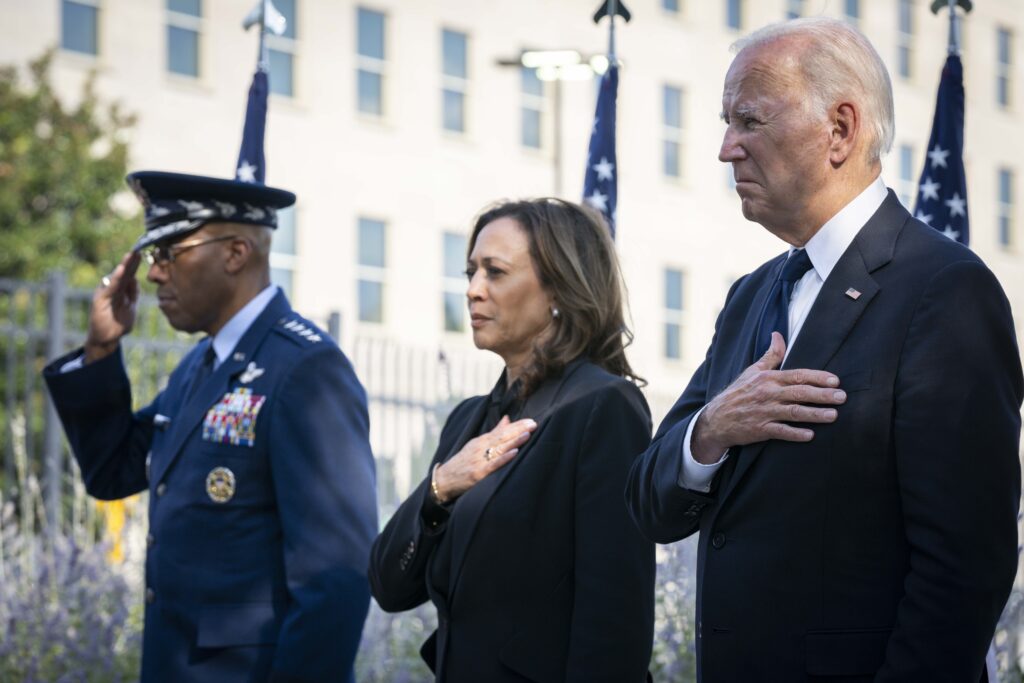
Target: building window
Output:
[
  {"x": 283, "y": 259},
  {"x": 672, "y": 131},
  {"x": 670, "y": 6},
  {"x": 79, "y": 26},
  {"x": 1004, "y": 61},
  {"x": 370, "y": 62},
  {"x": 851, "y": 10},
  {"x": 1004, "y": 210},
  {"x": 734, "y": 14},
  {"x": 184, "y": 20},
  {"x": 794, "y": 9},
  {"x": 454, "y": 79},
  {"x": 372, "y": 250},
  {"x": 281, "y": 51},
  {"x": 673, "y": 313},
  {"x": 907, "y": 186},
  {"x": 905, "y": 38},
  {"x": 532, "y": 109},
  {"x": 454, "y": 295}
]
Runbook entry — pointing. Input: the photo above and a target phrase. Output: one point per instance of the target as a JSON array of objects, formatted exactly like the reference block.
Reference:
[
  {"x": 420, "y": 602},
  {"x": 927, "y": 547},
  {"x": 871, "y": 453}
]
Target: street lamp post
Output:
[{"x": 555, "y": 66}]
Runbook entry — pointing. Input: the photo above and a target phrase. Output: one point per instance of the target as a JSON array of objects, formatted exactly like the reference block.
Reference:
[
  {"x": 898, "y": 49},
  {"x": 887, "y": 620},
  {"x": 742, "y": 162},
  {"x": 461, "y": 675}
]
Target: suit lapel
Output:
[
  {"x": 194, "y": 409},
  {"x": 835, "y": 313},
  {"x": 538, "y": 407}
]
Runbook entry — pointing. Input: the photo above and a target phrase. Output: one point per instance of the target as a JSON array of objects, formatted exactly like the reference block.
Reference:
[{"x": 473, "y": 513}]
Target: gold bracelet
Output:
[{"x": 433, "y": 485}]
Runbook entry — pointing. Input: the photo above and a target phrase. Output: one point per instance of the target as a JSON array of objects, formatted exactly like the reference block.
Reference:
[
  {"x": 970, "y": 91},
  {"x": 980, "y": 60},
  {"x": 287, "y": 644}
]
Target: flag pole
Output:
[
  {"x": 612, "y": 11},
  {"x": 953, "y": 45},
  {"x": 263, "y": 61}
]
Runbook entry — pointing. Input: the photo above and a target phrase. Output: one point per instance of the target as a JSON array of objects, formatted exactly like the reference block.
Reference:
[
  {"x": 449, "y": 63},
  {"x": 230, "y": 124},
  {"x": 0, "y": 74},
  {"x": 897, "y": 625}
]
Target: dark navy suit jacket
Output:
[
  {"x": 270, "y": 583},
  {"x": 885, "y": 548},
  {"x": 550, "y": 581}
]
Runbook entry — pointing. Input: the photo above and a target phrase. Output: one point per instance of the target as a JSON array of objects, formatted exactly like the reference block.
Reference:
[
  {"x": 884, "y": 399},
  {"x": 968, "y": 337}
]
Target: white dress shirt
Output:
[{"x": 824, "y": 250}]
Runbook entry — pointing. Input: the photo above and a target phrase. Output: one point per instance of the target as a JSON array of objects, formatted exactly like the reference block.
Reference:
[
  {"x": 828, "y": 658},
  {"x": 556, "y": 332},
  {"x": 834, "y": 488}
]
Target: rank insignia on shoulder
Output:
[
  {"x": 302, "y": 330},
  {"x": 250, "y": 373},
  {"x": 220, "y": 484},
  {"x": 233, "y": 419}
]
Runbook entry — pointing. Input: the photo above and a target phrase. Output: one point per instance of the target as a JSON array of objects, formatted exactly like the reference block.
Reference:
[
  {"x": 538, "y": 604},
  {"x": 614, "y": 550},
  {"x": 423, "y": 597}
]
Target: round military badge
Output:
[{"x": 220, "y": 484}]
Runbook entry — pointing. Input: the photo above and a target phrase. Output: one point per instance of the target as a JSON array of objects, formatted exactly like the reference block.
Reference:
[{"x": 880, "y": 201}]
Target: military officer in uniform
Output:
[{"x": 262, "y": 501}]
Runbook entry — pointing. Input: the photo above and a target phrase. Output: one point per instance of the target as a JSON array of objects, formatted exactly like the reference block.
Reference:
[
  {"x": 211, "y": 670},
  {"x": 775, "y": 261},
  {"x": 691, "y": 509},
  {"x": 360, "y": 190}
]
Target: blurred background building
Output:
[{"x": 397, "y": 121}]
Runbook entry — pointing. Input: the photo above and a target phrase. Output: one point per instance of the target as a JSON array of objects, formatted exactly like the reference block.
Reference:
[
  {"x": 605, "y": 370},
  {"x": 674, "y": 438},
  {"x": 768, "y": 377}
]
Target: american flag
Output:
[
  {"x": 251, "y": 167},
  {"x": 942, "y": 192},
  {"x": 600, "y": 182}
]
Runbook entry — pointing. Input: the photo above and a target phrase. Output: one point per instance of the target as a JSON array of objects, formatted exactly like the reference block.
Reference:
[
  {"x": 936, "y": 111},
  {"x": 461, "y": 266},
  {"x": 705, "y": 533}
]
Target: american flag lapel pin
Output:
[{"x": 853, "y": 293}]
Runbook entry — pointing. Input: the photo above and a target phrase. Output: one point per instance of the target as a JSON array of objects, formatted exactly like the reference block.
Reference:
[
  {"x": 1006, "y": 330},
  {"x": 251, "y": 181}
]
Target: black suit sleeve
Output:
[
  {"x": 398, "y": 560},
  {"x": 663, "y": 509},
  {"x": 109, "y": 442},
  {"x": 613, "y": 613},
  {"x": 956, "y": 424}
]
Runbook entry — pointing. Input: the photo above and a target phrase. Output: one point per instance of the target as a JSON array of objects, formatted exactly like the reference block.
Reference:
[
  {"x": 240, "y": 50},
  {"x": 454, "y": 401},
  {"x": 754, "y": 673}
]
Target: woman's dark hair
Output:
[{"x": 574, "y": 257}]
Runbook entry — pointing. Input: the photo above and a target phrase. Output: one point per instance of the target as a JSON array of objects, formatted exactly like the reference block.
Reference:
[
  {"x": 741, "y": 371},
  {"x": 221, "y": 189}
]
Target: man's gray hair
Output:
[{"x": 838, "y": 61}]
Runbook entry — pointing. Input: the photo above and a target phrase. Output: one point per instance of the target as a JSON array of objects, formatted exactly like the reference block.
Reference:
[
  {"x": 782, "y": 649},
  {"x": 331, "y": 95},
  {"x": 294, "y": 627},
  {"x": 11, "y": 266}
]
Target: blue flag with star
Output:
[
  {"x": 251, "y": 167},
  {"x": 942, "y": 193},
  {"x": 600, "y": 186}
]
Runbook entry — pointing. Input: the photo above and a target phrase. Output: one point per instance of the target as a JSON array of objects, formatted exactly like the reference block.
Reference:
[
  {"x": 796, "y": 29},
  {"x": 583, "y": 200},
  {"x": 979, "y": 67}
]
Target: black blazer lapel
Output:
[
  {"x": 835, "y": 311},
  {"x": 194, "y": 410},
  {"x": 537, "y": 407}
]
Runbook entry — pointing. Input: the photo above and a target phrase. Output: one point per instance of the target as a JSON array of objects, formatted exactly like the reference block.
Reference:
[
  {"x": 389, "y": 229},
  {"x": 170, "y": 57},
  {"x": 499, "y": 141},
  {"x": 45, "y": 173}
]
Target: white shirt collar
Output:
[
  {"x": 225, "y": 341},
  {"x": 829, "y": 243}
]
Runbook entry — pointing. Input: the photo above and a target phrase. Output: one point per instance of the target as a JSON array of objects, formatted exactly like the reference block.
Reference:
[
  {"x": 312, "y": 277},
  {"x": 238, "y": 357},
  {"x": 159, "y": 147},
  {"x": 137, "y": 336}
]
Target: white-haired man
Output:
[{"x": 848, "y": 448}]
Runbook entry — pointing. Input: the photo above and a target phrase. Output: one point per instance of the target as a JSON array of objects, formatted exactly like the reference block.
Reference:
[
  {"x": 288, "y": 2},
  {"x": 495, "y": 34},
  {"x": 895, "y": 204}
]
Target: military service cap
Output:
[{"x": 177, "y": 203}]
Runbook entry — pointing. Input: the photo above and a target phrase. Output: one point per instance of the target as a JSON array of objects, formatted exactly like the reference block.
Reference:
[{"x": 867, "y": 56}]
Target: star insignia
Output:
[
  {"x": 957, "y": 205},
  {"x": 930, "y": 189},
  {"x": 938, "y": 156},
  {"x": 604, "y": 169},
  {"x": 192, "y": 206},
  {"x": 246, "y": 172},
  {"x": 597, "y": 200},
  {"x": 951, "y": 233}
]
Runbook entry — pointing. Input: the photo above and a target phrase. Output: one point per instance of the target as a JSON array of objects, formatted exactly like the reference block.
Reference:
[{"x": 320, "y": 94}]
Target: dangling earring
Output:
[{"x": 555, "y": 312}]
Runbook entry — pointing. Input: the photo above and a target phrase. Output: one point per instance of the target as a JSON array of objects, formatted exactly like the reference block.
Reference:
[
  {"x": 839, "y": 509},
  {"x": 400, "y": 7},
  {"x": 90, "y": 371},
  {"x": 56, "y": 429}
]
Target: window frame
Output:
[
  {"x": 370, "y": 273},
  {"x": 184, "y": 22},
  {"x": 97, "y": 7},
  {"x": 451, "y": 83},
  {"x": 375, "y": 66}
]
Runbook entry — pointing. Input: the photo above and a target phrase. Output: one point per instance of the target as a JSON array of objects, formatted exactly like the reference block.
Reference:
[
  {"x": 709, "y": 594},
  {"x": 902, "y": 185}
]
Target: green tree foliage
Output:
[{"x": 61, "y": 167}]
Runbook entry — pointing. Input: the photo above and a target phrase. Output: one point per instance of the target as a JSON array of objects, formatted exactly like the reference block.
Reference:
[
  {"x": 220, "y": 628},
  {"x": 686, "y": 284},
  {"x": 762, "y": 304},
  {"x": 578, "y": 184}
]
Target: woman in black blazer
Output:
[{"x": 519, "y": 533}]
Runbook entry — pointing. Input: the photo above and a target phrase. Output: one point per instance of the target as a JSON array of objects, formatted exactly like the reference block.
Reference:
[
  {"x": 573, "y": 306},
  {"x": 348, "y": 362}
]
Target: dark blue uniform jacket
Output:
[{"x": 262, "y": 501}]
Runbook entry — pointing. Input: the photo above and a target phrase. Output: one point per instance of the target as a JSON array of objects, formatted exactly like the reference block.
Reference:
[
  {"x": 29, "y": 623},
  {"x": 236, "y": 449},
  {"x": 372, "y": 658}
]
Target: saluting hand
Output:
[
  {"x": 481, "y": 456},
  {"x": 757, "y": 406},
  {"x": 112, "y": 314}
]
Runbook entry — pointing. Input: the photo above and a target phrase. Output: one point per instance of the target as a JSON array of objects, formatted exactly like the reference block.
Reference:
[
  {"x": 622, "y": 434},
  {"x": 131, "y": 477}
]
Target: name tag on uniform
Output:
[{"x": 233, "y": 419}]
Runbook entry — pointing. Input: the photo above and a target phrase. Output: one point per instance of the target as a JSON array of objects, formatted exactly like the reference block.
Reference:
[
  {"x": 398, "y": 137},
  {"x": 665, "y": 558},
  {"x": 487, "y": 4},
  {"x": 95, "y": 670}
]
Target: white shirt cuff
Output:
[
  {"x": 697, "y": 476},
  {"x": 76, "y": 363}
]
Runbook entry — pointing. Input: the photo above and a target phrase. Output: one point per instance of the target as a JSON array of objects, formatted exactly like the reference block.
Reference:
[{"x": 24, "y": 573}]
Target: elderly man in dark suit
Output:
[
  {"x": 848, "y": 448},
  {"x": 256, "y": 455}
]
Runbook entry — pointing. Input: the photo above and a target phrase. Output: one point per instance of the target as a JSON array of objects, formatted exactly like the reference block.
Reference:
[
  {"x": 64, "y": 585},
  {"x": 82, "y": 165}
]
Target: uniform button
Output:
[
  {"x": 161, "y": 489},
  {"x": 150, "y": 595},
  {"x": 717, "y": 541},
  {"x": 150, "y": 540}
]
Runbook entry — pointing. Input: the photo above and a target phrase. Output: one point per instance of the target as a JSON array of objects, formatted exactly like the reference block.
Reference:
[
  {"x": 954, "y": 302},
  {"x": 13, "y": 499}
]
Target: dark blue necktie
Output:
[
  {"x": 204, "y": 370},
  {"x": 775, "y": 316}
]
